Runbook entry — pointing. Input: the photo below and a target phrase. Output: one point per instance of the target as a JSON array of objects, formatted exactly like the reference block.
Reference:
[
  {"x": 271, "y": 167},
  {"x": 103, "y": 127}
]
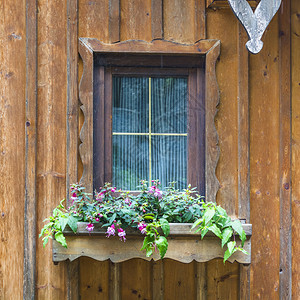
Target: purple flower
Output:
[
  {"x": 90, "y": 227},
  {"x": 100, "y": 197},
  {"x": 122, "y": 234},
  {"x": 110, "y": 230}
]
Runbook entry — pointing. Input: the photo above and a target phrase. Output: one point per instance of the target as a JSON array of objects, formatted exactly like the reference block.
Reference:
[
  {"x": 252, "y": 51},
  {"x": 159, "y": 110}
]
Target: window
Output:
[{"x": 149, "y": 113}]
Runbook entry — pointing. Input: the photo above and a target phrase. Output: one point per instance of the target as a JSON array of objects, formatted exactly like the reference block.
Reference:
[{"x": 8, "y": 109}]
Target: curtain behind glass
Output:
[{"x": 131, "y": 131}]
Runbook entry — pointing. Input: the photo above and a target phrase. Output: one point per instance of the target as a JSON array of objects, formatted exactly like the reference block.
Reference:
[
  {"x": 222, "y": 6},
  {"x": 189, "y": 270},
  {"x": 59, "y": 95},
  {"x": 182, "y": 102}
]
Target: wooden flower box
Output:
[{"x": 184, "y": 246}]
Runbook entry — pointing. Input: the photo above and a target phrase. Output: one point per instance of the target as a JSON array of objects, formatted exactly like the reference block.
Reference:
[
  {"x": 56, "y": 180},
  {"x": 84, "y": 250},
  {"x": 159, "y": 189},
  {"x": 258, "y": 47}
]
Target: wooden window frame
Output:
[{"x": 101, "y": 61}]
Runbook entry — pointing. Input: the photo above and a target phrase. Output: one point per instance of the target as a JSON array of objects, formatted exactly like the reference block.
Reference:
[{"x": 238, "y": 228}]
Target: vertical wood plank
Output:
[
  {"x": 157, "y": 19},
  {"x": 295, "y": 36},
  {"x": 95, "y": 286},
  {"x": 51, "y": 136},
  {"x": 264, "y": 166},
  {"x": 285, "y": 276},
  {"x": 243, "y": 210},
  {"x": 114, "y": 281},
  {"x": 200, "y": 22},
  {"x": 158, "y": 280},
  {"x": 114, "y": 21},
  {"x": 12, "y": 147},
  {"x": 179, "y": 280},
  {"x": 222, "y": 280},
  {"x": 30, "y": 152},
  {"x": 136, "y": 20},
  {"x": 180, "y": 24},
  {"x": 244, "y": 282},
  {"x": 201, "y": 281}
]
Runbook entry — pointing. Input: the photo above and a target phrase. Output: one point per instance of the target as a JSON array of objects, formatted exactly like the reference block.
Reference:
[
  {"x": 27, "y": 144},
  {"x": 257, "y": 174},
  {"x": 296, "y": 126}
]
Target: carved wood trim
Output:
[
  {"x": 184, "y": 246},
  {"x": 207, "y": 50}
]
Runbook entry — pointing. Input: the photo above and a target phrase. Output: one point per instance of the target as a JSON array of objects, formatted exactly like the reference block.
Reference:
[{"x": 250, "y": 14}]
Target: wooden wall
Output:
[{"x": 258, "y": 125}]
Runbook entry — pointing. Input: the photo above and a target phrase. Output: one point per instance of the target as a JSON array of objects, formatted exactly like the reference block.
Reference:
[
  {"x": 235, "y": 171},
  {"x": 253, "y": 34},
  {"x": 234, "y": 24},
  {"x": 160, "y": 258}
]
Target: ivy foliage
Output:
[{"x": 150, "y": 212}]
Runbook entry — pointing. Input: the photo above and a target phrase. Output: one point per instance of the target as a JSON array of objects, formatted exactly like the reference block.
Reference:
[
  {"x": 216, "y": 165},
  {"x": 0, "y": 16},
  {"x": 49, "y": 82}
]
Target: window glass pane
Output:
[
  {"x": 169, "y": 160},
  {"x": 130, "y": 160},
  {"x": 130, "y": 104},
  {"x": 168, "y": 105}
]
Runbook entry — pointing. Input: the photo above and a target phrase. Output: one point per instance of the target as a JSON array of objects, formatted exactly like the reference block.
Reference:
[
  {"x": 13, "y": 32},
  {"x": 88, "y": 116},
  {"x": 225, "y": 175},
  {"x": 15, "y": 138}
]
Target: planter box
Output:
[{"x": 184, "y": 246}]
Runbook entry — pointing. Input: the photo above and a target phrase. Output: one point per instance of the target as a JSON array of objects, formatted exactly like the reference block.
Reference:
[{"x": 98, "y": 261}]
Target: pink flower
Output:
[
  {"x": 110, "y": 230},
  {"x": 151, "y": 190},
  {"x": 113, "y": 189},
  {"x": 97, "y": 219},
  {"x": 158, "y": 193},
  {"x": 127, "y": 201},
  {"x": 90, "y": 227},
  {"x": 122, "y": 234},
  {"x": 100, "y": 197},
  {"x": 142, "y": 228}
]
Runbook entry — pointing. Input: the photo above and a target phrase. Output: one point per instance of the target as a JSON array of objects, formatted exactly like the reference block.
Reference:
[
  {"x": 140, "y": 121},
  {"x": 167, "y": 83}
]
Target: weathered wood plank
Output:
[
  {"x": 94, "y": 279},
  {"x": 136, "y": 280},
  {"x": 244, "y": 282},
  {"x": 114, "y": 21},
  {"x": 285, "y": 276},
  {"x": 295, "y": 37},
  {"x": 157, "y": 28},
  {"x": 200, "y": 20},
  {"x": 51, "y": 138},
  {"x": 225, "y": 4},
  {"x": 135, "y": 20},
  {"x": 201, "y": 281},
  {"x": 158, "y": 280},
  {"x": 30, "y": 152},
  {"x": 114, "y": 281},
  {"x": 243, "y": 128},
  {"x": 222, "y": 280},
  {"x": 180, "y": 24},
  {"x": 264, "y": 166},
  {"x": 12, "y": 148}
]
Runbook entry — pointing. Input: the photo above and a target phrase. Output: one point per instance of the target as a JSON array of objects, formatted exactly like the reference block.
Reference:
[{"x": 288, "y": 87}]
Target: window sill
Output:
[{"x": 184, "y": 246}]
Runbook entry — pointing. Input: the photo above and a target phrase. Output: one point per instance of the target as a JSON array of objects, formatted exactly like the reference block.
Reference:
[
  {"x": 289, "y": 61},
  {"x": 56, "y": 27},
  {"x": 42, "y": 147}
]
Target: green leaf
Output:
[
  {"x": 63, "y": 221},
  {"x": 209, "y": 213},
  {"x": 165, "y": 226},
  {"x": 72, "y": 222},
  {"x": 197, "y": 222},
  {"x": 59, "y": 237},
  {"x": 242, "y": 250},
  {"x": 147, "y": 240},
  {"x": 216, "y": 230},
  {"x": 204, "y": 232},
  {"x": 237, "y": 226},
  {"x": 112, "y": 218},
  {"x": 162, "y": 246},
  {"x": 227, "y": 234},
  {"x": 230, "y": 250},
  {"x": 221, "y": 211},
  {"x": 45, "y": 239},
  {"x": 149, "y": 251}
]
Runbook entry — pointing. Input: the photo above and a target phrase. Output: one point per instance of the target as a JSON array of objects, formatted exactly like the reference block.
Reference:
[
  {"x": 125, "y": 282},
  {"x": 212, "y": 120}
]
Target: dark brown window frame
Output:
[{"x": 159, "y": 57}]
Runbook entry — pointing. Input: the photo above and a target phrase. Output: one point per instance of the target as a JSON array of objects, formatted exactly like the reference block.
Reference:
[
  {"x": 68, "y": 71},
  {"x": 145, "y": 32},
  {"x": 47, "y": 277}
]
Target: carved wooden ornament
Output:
[{"x": 255, "y": 22}]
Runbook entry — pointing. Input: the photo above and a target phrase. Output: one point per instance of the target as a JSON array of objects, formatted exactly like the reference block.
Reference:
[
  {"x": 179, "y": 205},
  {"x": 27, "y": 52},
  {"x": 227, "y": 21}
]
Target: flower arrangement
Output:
[{"x": 150, "y": 212}]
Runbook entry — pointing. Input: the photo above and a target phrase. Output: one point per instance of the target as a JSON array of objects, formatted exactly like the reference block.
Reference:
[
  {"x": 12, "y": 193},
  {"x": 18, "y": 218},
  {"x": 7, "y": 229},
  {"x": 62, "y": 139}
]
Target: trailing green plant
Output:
[{"x": 150, "y": 212}]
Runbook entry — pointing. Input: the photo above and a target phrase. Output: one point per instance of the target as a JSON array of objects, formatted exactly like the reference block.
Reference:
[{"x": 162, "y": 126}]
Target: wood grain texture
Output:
[
  {"x": 51, "y": 136},
  {"x": 222, "y": 24},
  {"x": 136, "y": 280},
  {"x": 222, "y": 280},
  {"x": 179, "y": 280},
  {"x": 180, "y": 22},
  {"x": 135, "y": 20},
  {"x": 245, "y": 284},
  {"x": 264, "y": 166},
  {"x": 201, "y": 281},
  {"x": 295, "y": 40},
  {"x": 158, "y": 280},
  {"x": 30, "y": 153},
  {"x": 12, "y": 148},
  {"x": 114, "y": 21},
  {"x": 285, "y": 273},
  {"x": 157, "y": 28},
  {"x": 243, "y": 209},
  {"x": 95, "y": 287}
]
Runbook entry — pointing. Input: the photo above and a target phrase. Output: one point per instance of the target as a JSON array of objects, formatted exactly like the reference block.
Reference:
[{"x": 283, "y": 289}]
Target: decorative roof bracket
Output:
[{"x": 255, "y": 22}]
